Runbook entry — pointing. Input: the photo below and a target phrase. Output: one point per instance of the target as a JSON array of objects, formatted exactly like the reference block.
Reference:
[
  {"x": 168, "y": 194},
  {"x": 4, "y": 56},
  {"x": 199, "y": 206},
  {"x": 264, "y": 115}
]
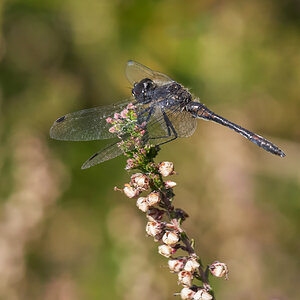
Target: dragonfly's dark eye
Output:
[
  {"x": 137, "y": 89},
  {"x": 147, "y": 84},
  {"x": 141, "y": 90}
]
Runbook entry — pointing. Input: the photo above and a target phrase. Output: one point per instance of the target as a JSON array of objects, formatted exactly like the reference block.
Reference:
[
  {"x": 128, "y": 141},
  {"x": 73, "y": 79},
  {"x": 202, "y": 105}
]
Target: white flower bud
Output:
[
  {"x": 154, "y": 228},
  {"x": 140, "y": 180},
  {"x": 170, "y": 238},
  {"x": 142, "y": 204},
  {"x": 187, "y": 294},
  {"x": 191, "y": 265},
  {"x": 176, "y": 265},
  {"x": 165, "y": 250},
  {"x": 219, "y": 269},
  {"x": 130, "y": 191},
  {"x": 166, "y": 168},
  {"x": 170, "y": 184},
  {"x": 153, "y": 198},
  {"x": 185, "y": 278},
  {"x": 202, "y": 295}
]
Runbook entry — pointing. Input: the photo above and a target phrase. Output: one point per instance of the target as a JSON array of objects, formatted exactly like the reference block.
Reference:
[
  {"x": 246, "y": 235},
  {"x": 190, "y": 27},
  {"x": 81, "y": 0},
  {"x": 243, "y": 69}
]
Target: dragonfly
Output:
[{"x": 167, "y": 108}]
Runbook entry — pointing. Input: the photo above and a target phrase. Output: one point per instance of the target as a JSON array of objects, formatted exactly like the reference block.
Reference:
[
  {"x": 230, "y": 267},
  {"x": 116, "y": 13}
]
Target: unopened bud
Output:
[
  {"x": 176, "y": 265},
  {"x": 219, "y": 269},
  {"x": 109, "y": 120},
  {"x": 112, "y": 129},
  {"x": 187, "y": 294},
  {"x": 185, "y": 278},
  {"x": 154, "y": 228},
  {"x": 140, "y": 180},
  {"x": 165, "y": 250},
  {"x": 166, "y": 168},
  {"x": 170, "y": 184},
  {"x": 130, "y": 191},
  {"x": 192, "y": 265},
  {"x": 170, "y": 238},
  {"x": 130, "y": 106},
  {"x": 154, "y": 214},
  {"x": 129, "y": 164},
  {"x": 153, "y": 198},
  {"x": 124, "y": 113},
  {"x": 142, "y": 204},
  {"x": 202, "y": 295}
]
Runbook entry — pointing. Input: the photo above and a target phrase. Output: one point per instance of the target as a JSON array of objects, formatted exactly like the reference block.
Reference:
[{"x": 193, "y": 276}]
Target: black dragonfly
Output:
[{"x": 169, "y": 110}]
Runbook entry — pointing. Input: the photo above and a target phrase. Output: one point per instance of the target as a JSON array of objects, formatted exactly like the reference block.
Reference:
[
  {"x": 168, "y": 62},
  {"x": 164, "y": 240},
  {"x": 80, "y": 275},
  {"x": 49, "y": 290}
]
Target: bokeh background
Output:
[{"x": 64, "y": 233}]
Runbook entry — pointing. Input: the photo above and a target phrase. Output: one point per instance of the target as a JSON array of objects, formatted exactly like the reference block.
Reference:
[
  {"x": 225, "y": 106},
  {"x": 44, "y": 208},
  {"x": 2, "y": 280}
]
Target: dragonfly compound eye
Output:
[{"x": 142, "y": 90}]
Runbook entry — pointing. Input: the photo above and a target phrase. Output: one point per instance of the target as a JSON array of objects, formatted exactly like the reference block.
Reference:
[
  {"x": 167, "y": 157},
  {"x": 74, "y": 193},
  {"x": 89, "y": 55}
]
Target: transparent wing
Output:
[
  {"x": 135, "y": 72},
  {"x": 107, "y": 153},
  {"x": 183, "y": 122},
  {"x": 175, "y": 123},
  {"x": 86, "y": 125}
]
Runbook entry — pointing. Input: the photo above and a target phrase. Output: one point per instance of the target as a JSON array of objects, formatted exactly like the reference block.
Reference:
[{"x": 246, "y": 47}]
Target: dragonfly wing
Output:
[
  {"x": 163, "y": 127},
  {"x": 159, "y": 124},
  {"x": 107, "y": 153},
  {"x": 183, "y": 123},
  {"x": 86, "y": 125},
  {"x": 135, "y": 72}
]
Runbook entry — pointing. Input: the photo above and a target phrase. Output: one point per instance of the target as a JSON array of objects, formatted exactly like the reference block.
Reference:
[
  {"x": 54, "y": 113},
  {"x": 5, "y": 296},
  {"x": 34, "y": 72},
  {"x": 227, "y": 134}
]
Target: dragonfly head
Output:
[{"x": 143, "y": 90}]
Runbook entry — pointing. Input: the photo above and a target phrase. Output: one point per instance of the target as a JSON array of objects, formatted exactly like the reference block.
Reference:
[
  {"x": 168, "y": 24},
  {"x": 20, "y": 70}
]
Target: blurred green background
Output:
[{"x": 64, "y": 233}]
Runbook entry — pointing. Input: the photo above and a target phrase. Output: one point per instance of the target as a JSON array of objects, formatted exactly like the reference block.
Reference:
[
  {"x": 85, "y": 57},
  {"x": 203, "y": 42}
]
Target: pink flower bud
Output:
[
  {"x": 140, "y": 180},
  {"x": 219, "y": 269},
  {"x": 112, "y": 129},
  {"x": 154, "y": 214},
  {"x": 165, "y": 250},
  {"x": 116, "y": 116},
  {"x": 202, "y": 295},
  {"x": 130, "y": 191},
  {"x": 109, "y": 120},
  {"x": 170, "y": 184},
  {"x": 129, "y": 164},
  {"x": 166, "y": 168},
  {"x": 187, "y": 294},
  {"x": 124, "y": 113},
  {"x": 130, "y": 106},
  {"x": 154, "y": 228},
  {"x": 142, "y": 204},
  {"x": 185, "y": 278},
  {"x": 191, "y": 265},
  {"x": 153, "y": 198},
  {"x": 176, "y": 265},
  {"x": 170, "y": 238}
]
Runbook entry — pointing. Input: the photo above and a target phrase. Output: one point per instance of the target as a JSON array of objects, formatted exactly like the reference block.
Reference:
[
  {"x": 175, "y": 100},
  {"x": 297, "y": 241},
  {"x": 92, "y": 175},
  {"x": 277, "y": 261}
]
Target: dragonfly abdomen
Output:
[{"x": 199, "y": 110}]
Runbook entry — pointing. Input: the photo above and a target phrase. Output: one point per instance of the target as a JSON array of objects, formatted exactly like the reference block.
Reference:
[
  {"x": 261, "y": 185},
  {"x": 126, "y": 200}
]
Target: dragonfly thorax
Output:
[{"x": 169, "y": 94}]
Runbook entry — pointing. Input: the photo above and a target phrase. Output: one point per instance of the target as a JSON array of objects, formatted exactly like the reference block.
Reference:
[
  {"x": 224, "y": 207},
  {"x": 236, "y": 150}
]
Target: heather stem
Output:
[{"x": 165, "y": 220}]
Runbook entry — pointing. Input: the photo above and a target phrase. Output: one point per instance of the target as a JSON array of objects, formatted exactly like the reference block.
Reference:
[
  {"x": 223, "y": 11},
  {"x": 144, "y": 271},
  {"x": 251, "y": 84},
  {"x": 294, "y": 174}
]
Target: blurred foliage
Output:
[{"x": 64, "y": 233}]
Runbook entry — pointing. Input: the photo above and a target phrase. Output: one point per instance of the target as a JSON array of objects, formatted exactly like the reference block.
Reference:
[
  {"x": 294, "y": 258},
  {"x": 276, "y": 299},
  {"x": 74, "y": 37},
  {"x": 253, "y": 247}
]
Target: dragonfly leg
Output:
[
  {"x": 141, "y": 115},
  {"x": 170, "y": 129}
]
